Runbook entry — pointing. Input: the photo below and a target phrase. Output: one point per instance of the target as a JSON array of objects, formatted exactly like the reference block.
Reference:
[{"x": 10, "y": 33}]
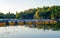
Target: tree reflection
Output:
[{"x": 54, "y": 27}]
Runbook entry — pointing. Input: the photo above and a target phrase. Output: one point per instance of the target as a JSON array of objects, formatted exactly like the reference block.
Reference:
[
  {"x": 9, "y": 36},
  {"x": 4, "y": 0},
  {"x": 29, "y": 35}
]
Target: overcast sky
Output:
[{"x": 19, "y": 5}]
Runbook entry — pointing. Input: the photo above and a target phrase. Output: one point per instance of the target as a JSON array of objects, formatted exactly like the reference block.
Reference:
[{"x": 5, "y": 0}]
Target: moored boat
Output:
[
  {"x": 20, "y": 22},
  {"x": 2, "y": 22},
  {"x": 53, "y": 22},
  {"x": 28, "y": 22},
  {"x": 11, "y": 22}
]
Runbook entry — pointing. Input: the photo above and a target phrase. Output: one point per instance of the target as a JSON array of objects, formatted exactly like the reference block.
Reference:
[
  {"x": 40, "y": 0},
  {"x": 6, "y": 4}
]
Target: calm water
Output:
[{"x": 27, "y": 32}]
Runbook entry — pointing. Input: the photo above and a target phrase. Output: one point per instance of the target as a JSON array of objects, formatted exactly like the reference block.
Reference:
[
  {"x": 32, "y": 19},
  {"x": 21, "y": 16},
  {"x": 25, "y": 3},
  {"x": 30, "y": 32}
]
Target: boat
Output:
[
  {"x": 2, "y": 23},
  {"x": 20, "y": 22},
  {"x": 11, "y": 22},
  {"x": 28, "y": 22}
]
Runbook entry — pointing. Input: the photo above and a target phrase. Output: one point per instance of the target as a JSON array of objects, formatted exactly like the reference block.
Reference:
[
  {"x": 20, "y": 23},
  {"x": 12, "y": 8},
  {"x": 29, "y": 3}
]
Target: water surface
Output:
[{"x": 27, "y": 32}]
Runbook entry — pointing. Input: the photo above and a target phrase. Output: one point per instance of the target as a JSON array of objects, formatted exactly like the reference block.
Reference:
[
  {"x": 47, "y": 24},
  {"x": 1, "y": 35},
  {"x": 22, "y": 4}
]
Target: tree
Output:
[
  {"x": 10, "y": 16},
  {"x": 2, "y": 15},
  {"x": 17, "y": 15}
]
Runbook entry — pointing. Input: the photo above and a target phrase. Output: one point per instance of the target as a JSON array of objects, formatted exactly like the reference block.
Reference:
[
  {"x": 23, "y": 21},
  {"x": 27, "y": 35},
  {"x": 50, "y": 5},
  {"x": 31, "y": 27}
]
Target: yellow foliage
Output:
[{"x": 36, "y": 16}]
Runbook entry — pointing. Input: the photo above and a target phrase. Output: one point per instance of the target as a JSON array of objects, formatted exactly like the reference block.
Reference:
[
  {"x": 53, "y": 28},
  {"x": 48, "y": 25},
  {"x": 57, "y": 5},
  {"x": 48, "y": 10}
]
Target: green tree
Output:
[{"x": 17, "y": 15}]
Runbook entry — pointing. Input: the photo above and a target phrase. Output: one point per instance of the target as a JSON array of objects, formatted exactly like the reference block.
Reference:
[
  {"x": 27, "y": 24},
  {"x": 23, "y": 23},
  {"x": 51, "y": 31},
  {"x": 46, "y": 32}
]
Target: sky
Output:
[{"x": 21, "y": 5}]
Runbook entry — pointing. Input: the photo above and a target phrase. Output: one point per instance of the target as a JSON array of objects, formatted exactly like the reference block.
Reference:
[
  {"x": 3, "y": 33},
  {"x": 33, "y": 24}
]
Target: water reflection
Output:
[
  {"x": 26, "y": 32},
  {"x": 54, "y": 27},
  {"x": 31, "y": 31}
]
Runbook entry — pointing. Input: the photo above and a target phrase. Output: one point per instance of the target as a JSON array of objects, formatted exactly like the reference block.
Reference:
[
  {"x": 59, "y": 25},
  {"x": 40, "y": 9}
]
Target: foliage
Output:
[{"x": 36, "y": 13}]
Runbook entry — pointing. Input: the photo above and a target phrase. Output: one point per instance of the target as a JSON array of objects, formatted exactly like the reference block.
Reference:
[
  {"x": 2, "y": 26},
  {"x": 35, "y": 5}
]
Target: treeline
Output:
[{"x": 36, "y": 13}]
